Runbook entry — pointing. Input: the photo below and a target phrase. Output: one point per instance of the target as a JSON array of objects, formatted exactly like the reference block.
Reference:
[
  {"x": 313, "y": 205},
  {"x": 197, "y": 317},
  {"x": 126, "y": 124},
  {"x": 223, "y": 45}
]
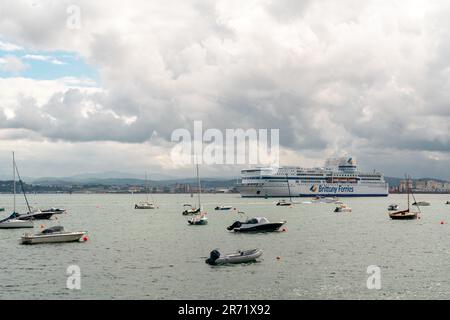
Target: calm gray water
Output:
[{"x": 154, "y": 254}]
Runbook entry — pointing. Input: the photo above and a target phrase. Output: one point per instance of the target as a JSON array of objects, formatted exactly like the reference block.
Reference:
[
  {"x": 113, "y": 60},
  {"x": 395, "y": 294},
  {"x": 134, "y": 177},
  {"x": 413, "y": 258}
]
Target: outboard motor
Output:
[
  {"x": 213, "y": 256},
  {"x": 237, "y": 224}
]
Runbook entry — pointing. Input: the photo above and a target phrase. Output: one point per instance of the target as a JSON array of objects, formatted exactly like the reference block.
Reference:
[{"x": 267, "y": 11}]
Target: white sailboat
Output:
[
  {"x": 53, "y": 235},
  {"x": 284, "y": 203},
  {"x": 200, "y": 218},
  {"x": 12, "y": 222},
  {"x": 145, "y": 204}
]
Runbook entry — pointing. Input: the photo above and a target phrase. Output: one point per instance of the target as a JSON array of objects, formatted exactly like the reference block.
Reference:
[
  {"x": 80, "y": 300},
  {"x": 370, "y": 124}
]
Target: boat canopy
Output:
[
  {"x": 53, "y": 230},
  {"x": 257, "y": 220}
]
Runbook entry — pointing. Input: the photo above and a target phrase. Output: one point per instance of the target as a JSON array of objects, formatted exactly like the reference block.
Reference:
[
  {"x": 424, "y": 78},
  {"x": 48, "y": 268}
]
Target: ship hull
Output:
[{"x": 274, "y": 190}]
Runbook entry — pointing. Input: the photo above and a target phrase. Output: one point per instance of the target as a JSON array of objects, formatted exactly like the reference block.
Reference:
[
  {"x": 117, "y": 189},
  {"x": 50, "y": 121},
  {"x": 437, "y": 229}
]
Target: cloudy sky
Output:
[{"x": 91, "y": 86}]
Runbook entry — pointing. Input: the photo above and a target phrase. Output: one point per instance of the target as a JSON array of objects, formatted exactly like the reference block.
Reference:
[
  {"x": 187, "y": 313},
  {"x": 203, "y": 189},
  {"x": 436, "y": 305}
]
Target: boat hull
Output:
[
  {"x": 16, "y": 224},
  {"x": 280, "y": 189},
  {"x": 54, "y": 211},
  {"x": 53, "y": 238},
  {"x": 403, "y": 215},
  {"x": 200, "y": 222},
  {"x": 191, "y": 212},
  {"x": 36, "y": 216},
  {"x": 266, "y": 227},
  {"x": 244, "y": 257}
]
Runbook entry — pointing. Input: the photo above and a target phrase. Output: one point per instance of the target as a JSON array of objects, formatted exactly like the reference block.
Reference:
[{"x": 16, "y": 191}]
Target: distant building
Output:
[
  {"x": 405, "y": 185},
  {"x": 432, "y": 186}
]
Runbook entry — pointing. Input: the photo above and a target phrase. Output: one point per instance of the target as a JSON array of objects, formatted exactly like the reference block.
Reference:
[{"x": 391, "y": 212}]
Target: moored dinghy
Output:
[
  {"x": 283, "y": 203},
  {"x": 342, "y": 207},
  {"x": 216, "y": 258},
  {"x": 393, "y": 207},
  {"x": 53, "y": 235},
  {"x": 223, "y": 207},
  {"x": 144, "y": 205},
  {"x": 421, "y": 204}
]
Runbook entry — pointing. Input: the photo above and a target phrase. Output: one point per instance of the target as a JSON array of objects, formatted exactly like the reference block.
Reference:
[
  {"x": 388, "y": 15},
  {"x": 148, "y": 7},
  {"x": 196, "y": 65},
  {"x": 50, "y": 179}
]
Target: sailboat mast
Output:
[
  {"x": 199, "y": 188},
  {"x": 23, "y": 188},
  {"x": 289, "y": 188},
  {"x": 146, "y": 184},
  {"x": 408, "y": 182},
  {"x": 14, "y": 180}
]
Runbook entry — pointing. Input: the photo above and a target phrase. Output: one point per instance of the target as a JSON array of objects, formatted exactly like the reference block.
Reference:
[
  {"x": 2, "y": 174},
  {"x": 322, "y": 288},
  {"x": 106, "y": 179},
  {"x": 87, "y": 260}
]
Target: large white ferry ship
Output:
[{"x": 340, "y": 177}]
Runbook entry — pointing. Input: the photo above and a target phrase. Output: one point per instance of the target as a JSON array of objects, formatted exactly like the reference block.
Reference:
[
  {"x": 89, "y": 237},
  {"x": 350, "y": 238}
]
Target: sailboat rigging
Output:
[
  {"x": 12, "y": 222},
  {"x": 200, "y": 216},
  {"x": 406, "y": 214},
  {"x": 284, "y": 202}
]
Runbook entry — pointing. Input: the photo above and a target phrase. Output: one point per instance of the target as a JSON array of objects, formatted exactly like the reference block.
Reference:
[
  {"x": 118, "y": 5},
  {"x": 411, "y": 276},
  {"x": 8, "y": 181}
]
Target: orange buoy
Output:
[
  {"x": 278, "y": 258},
  {"x": 85, "y": 239},
  {"x": 442, "y": 222},
  {"x": 42, "y": 226}
]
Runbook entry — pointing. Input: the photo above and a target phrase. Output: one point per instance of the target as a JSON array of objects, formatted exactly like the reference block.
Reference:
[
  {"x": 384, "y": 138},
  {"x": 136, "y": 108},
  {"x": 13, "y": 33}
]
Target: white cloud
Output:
[
  {"x": 38, "y": 57},
  {"x": 7, "y": 46},
  {"x": 12, "y": 64}
]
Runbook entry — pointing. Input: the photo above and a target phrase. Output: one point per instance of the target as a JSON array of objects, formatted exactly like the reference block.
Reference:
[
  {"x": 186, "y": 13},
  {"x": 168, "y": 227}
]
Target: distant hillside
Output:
[
  {"x": 392, "y": 181},
  {"x": 207, "y": 182},
  {"x": 395, "y": 182}
]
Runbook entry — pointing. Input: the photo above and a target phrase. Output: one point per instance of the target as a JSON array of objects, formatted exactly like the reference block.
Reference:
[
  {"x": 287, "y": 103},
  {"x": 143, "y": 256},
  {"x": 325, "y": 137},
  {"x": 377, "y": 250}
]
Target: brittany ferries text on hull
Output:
[{"x": 339, "y": 177}]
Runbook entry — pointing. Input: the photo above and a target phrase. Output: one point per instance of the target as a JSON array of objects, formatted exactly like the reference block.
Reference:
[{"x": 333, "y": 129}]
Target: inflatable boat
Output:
[{"x": 216, "y": 258}]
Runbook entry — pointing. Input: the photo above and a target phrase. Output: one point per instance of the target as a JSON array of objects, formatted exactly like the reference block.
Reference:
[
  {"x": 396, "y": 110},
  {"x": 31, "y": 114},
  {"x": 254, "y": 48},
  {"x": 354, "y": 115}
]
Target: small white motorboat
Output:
[
  {"x": 245, "y": 256},
  {"x": 284, "y": 203},
  {"x": 343, "y": 208},
  {"x": 223, "y": 208},
  {"x": 393, "y": 207},
  {"x": 52, "y": 235},
  {"x": 144, "y": 205},
  {"x": 198, "y": 220}
]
